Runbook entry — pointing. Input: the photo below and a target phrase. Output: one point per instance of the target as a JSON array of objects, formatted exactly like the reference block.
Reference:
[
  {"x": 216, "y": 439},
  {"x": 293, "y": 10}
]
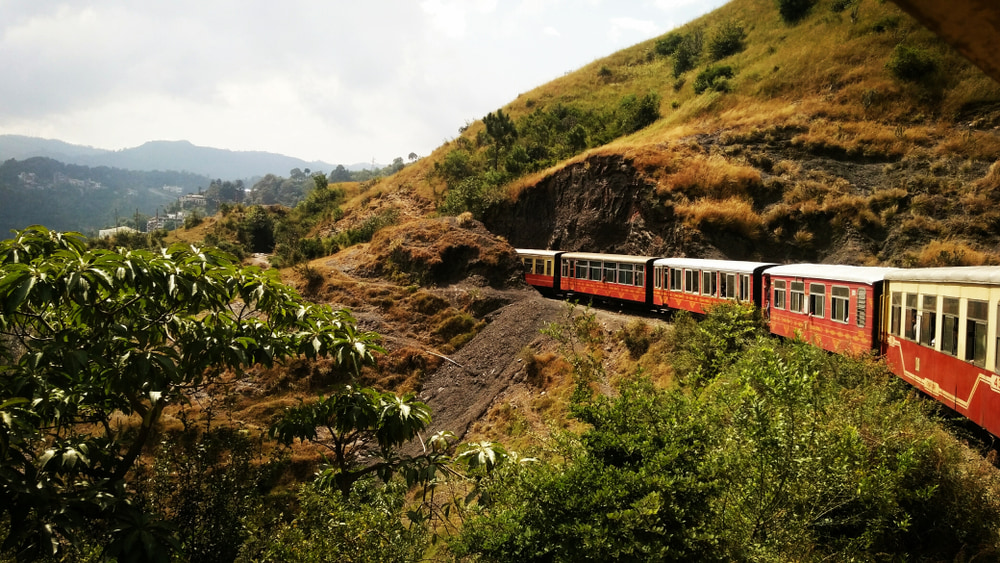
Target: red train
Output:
[{"x": 937, "y": 328}]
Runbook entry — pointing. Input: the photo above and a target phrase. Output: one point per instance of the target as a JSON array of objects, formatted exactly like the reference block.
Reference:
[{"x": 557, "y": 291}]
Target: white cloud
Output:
[
  {"x": 635, "y": 29},
  {"x": 549, "y": 30}
]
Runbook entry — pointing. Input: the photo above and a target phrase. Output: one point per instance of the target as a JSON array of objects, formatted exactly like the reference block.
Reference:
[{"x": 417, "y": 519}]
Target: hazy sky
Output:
[{"x": 331, "y": 80}]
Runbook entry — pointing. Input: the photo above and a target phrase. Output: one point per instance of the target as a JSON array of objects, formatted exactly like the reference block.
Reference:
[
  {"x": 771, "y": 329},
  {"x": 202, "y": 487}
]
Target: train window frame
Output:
[
  {"x": 840, "y": 303},
  {"x": 817, "y": 300},
  {"x": 862, "y": 307},
  {"x": 679, "y": 285},
  {"x": 709, "y": 283},
  {"x": 927, "y": 332},
  {"x": 539, "y": 267},
  {"x": 778, "y": 299},
  {"x": 596, "y": 270},
  {"x": 797, "y": 297},
  {"x": 626, "y": 274},
  {"x": 639, "y": 273},
  {"x": 910, "y": 316},
  {"x": 691, "y": 281},
  {"x": 582, "y": 269},
  {"x": 976, "y": 328},
  {"x": 548, "y": 268},
  {"x": 565, "y": 268},
  {"x": 950, "y": 314},
  {"x": 729, "y": 287},
  {"x": 896, "y": 314},
  {"x": 745, "y": 293},
  {"x": 610, "y": 272}
]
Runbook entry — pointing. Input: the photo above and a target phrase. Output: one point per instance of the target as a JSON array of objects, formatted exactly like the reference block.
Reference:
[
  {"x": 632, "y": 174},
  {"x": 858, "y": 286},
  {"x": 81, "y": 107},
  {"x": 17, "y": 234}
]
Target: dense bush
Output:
[
  {"x": 767, "y": 451},
  {"x": 367, "y": 526},
  {"x": 794, "y": 10},
  {"x": 687, "y": 52},
  {"x": 727, "y": 40},
  {"x": 668, "y": 44},
  {"x": 911, "y": 64},
  {"x": 713, "y": 78}
]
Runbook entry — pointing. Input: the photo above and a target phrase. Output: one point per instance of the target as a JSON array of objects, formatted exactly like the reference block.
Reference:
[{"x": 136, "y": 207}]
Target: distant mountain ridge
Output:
[{"x": 181, "y": 156}]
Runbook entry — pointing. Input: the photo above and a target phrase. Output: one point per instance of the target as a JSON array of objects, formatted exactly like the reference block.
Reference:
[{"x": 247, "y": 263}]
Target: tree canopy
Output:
[{"x": 95, "y": 343}]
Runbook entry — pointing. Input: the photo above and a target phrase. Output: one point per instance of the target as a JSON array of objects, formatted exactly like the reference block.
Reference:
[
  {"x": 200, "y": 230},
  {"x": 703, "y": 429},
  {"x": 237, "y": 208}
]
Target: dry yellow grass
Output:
[
  {"x": 733, "y": 214},
  {"x": 951, "y": 253}
]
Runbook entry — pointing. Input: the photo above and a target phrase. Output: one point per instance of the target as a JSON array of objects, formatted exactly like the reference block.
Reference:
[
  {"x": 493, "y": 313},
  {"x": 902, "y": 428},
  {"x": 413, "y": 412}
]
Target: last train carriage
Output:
[{"x": 942, "y": 335}]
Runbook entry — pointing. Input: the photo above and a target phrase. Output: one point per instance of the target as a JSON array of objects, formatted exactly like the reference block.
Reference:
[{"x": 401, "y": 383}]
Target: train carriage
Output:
[
  {"x": 941, "y": 334},
  {"x": 695, "y": 284},
  {"x": 613, "y": 276},
  {"x": 833, "y": 307},
  {"x": 540, "y": 268}
]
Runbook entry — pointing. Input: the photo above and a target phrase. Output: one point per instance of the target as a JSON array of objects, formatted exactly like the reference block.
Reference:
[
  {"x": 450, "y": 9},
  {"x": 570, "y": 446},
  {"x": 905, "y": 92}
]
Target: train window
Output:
[
  {"x": 862, "y": 306},
  {"x": 745, "y": 287},
  {"x": 897, "y": 313},
  {"x": 840, "y": 300},
  {"x": 527, "y": 264},
  {"x": 540, "y": 267},
  {"x": 691, "y": 281},
  {"x": 676, "y": 274},
  {"x": 779, "y": 295},
  {"x": 729, "y": 286},
  {"x": 949, "y": 326},
  {"x": 625, "y": 274},
  {"x": 595, "y": 270},
  {"x": 709, "y": 283},
  {"x": 817, "y": 299},
  {"x": 928, "y": 320},
  {"x": 798, "y": 298},
  {"x": 640, "y": 275},
  {"x": 975, "y": 332},
  {"x": 610, "y": 272},
  {"x": 548, "y": 267},
  {"x": 910, "y": 314},
  {"x": 565, "y": 268},
  {"x": 581, "y": 269}
]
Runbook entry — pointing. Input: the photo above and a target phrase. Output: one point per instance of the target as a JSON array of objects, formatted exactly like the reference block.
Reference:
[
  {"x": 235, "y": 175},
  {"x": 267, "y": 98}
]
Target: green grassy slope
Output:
[{"x": 855, "y": 116}]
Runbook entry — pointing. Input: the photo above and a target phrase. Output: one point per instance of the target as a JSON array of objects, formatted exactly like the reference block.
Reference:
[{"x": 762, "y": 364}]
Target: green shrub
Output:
[
  {"x": 728, "y": 40},
  {"x": 713, "y": 78},
  {"x": 794, "y": 10},
  {"x": 911, "y": 64},
  {"x": 668, "y": 44},
  {"x": 687, "y": 52},
  {"x": 637, "y": 113}
]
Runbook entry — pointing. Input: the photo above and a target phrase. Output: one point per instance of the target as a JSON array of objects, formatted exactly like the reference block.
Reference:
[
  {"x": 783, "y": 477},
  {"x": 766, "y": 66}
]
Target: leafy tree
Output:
[
  {"x": 256, "y": 230},
  {"x": 351, "y": 419},
  {"x": 95, "y": 343},
  {"x": 500, "y": 128},
  {"x": 340, "y": 174}
]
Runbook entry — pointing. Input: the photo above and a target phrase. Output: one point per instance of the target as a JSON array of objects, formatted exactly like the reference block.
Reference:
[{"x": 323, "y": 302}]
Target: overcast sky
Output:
[{"x": 330, "y": 80}]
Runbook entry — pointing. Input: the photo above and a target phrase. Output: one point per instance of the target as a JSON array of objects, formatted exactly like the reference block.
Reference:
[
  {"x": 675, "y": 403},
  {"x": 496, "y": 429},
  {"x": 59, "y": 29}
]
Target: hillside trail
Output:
[{"x": 487, "y": 370}]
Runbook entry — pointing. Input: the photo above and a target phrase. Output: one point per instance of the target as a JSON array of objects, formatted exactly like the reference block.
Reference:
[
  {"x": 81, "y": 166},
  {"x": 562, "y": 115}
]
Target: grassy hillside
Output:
[{"x": 854, "y": 116}]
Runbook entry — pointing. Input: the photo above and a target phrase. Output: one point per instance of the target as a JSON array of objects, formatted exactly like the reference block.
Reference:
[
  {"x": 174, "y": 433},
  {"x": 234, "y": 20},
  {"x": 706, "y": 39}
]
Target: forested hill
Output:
[
  {"x": 834, "y": 130},
  {"x": 80, "y": 198}
]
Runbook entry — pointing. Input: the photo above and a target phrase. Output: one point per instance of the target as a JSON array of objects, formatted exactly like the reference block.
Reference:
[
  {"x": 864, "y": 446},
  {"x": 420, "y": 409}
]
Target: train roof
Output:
[
  {"x": 833, "y": 272},
  {"x": 536, "y": 252},
  {"x": 608, "y": 257},
  {"x": 704, "y": 263},
  {"x": 987, "y": 275}
]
